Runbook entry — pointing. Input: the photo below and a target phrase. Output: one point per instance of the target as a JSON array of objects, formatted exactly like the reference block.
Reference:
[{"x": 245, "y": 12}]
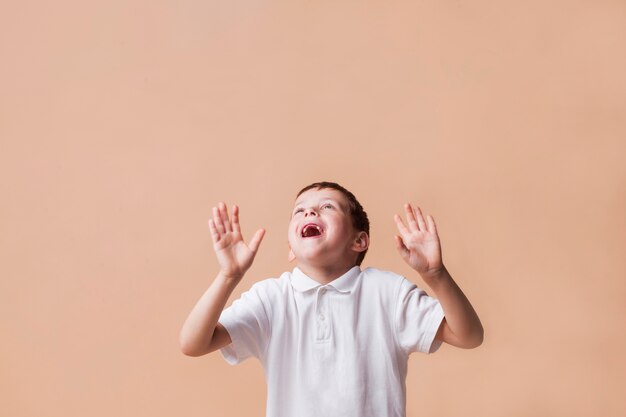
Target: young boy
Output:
[{"x": 333, "y": 339}]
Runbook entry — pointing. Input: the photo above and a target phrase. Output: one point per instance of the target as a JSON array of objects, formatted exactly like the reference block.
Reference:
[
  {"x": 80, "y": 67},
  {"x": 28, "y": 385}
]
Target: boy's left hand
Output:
[{"x": 419, "y": 245}]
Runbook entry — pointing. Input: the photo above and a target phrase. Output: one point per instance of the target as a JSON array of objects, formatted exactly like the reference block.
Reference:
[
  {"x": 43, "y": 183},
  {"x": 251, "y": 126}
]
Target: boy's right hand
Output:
[{"x": 233, "y": 255}]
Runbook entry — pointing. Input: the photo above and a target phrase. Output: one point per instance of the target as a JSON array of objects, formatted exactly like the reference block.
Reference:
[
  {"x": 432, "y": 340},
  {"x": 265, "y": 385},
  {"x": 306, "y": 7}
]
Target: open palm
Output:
[
  {"x": 233, "y": 255},
  {"x": 418, "y": 242}
]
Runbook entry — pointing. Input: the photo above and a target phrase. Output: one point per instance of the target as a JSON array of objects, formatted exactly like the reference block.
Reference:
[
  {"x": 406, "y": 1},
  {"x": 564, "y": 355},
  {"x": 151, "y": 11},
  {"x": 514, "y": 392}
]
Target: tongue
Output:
[{"x": 311, "y": 231}]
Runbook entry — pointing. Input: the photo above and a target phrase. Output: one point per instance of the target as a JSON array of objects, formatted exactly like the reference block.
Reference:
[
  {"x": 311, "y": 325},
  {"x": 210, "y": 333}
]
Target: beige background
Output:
[{"x": 122, "y": 124}]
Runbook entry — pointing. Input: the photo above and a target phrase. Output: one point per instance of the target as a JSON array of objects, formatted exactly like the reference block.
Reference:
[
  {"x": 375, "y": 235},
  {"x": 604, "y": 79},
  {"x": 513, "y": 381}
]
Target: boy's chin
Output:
[
  {"x": 310, "y": 252},
  {"x": 303, "y": 259},
  {"x": 312, "y": 259}
]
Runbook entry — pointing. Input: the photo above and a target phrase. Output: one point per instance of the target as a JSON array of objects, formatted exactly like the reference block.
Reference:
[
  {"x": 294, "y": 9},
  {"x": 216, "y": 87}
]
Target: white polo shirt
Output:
[{"x": 334, "y": 350}]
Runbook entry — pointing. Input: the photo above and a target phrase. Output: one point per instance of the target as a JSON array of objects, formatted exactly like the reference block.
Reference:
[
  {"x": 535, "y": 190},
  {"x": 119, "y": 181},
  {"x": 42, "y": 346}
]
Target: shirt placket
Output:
[{"x": 322, "y": 316}]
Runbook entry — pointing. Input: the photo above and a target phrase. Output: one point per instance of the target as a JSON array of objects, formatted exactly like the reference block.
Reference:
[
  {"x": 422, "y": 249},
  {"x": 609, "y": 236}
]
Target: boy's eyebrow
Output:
[{"x": 324, "y": 199}]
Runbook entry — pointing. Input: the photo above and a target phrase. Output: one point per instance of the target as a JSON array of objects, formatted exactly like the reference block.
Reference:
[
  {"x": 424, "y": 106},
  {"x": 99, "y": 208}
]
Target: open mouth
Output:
[{"x": 311, "y": 230}]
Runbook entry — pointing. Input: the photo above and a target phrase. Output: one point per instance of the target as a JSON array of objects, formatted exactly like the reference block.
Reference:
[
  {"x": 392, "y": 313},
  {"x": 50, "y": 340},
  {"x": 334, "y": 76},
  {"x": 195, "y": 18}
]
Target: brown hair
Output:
[{"x": 359, "y": 217}]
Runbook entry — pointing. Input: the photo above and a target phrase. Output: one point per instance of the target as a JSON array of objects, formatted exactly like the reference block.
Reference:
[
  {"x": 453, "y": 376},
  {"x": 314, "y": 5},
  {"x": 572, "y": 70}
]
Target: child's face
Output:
[{"x": 333, "y": 242}]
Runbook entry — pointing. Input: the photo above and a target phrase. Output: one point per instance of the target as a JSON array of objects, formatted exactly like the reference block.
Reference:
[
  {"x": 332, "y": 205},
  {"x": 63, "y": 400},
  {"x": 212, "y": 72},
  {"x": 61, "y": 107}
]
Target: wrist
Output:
[
  {"x": 229, "y": 278},
  {"x": 435, "y": 276}
]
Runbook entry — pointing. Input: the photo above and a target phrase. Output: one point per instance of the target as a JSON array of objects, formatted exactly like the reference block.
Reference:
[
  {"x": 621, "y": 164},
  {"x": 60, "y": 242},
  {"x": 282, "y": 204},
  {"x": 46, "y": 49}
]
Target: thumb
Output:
[
  {"x": 256, "y": 240},
  {"x": 404, "y": 251}
]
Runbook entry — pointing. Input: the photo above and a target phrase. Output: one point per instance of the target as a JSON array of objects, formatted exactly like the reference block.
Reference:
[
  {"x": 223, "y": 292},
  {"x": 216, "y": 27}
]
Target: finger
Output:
[
  {"x": 225, "y": 219},
  {"x": 236, "y": 227},
  {"x": 218, "y": 221},
  {"x": 256, "y": 240},
  {"x": 410, "y": 216},
  {"x": 401, "y": 227},
  {"x": 420, "y": 218},
  {"x": 214, "y": 234},
  {"x": 431, "y": 224}
]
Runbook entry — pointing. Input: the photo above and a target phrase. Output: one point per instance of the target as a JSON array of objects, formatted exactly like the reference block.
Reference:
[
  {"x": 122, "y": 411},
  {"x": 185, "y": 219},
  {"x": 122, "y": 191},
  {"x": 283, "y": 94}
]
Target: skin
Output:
[
  {"x": 419, "y": 246},
  {"x": 325, "y": 259},
  {"x": 330, "y": 255}
]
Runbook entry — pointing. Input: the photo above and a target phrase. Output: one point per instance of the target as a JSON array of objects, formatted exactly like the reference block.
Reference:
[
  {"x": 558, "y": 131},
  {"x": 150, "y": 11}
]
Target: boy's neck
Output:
[{"x": 325, "y": 274}]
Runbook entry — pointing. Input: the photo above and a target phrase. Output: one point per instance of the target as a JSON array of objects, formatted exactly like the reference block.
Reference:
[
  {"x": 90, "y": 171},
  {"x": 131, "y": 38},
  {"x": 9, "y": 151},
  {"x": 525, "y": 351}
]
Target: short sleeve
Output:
[
  {"x": 248, "y": 324},
  {"x": 417, "y": 319}
]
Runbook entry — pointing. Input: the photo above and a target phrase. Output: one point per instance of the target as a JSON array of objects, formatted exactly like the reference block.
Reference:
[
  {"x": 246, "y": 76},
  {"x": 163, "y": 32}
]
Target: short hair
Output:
[{"x": 360, "y": 222}]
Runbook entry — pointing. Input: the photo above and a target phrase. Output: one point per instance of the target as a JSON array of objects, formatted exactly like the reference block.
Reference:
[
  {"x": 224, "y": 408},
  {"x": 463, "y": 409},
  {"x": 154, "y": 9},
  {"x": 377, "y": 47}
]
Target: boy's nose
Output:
[{"x": 309, "y": 212}]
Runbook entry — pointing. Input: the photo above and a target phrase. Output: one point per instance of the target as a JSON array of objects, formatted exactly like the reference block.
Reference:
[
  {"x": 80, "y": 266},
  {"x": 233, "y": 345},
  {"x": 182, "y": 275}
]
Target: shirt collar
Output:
[{"x": 345, "y": 283}]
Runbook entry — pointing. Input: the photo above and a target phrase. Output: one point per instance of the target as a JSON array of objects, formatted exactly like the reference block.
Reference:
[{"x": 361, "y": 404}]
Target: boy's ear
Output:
[{"x": 361, "y": 242}]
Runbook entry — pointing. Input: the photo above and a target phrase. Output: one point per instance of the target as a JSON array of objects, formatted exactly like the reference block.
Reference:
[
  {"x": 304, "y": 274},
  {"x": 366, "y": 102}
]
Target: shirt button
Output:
[
  {"x": 323, "y": 290},
  {"x": 322, "y": 317}
]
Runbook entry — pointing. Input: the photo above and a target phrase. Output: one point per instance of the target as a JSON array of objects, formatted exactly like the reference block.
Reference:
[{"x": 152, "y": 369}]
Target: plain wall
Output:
[{"x": 123, "y": 122}]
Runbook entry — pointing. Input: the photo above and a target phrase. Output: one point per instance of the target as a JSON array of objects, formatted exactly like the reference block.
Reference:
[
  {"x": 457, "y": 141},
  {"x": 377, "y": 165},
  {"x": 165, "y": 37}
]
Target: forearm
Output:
[
  {"x": 460, "y": 316},
  {"x": 198, "y": 329}
]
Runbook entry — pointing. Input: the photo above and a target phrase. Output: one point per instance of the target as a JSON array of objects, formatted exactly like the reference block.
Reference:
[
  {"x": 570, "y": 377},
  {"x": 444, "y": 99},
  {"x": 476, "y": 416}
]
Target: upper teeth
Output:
[{"x": 311, "y": 225}]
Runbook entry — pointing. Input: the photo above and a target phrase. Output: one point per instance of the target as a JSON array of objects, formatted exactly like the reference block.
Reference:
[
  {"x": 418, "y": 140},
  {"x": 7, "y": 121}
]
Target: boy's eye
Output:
[{"x": 325, "y": 205}]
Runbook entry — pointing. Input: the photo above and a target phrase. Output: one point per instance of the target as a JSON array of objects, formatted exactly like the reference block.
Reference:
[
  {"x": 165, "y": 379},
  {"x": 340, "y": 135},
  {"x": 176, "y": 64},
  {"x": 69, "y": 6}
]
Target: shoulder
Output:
[
  {"x": 382, "y": 282},
  {"x": 271, "y": 287},
  {"x": 262, "y": 297},
  {"x": 381, "y": 277},
  {"x": 395, "y": 285}
]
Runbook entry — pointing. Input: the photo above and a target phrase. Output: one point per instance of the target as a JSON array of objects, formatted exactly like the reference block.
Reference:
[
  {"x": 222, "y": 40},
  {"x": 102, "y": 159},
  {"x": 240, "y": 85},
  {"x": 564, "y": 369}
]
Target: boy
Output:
[{"x": 333, "y": 339}]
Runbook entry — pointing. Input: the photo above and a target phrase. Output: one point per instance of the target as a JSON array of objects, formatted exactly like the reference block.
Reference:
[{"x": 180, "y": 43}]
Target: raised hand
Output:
[
  {"x": 419, "y": 243},
  {"x": 233, "y": 255}
]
